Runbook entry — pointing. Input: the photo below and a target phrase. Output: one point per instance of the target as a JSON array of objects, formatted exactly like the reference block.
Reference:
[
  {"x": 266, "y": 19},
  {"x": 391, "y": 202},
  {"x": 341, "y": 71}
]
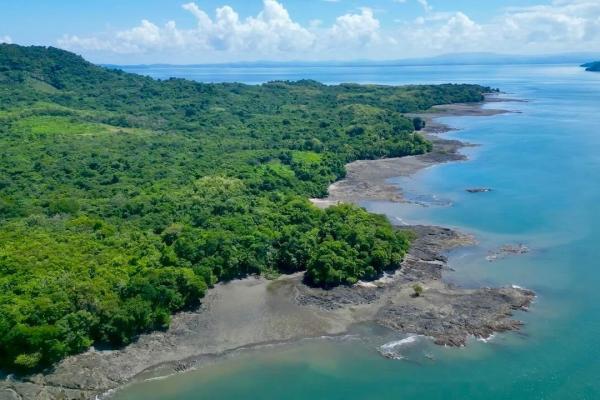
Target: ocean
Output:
[{"x": 542, "y": 163}]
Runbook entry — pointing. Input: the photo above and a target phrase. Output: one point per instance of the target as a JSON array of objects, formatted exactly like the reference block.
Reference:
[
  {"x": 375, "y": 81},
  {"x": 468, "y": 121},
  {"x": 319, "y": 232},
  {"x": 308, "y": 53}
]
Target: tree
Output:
[
  {"x": 418, "y": 123},
  {"x": 417, "y": 290},
  {"x": 333, "y": 263}
]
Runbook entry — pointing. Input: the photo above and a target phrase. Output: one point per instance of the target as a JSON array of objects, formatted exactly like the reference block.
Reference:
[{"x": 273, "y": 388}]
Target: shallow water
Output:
[{"x": 543, "y": 165}]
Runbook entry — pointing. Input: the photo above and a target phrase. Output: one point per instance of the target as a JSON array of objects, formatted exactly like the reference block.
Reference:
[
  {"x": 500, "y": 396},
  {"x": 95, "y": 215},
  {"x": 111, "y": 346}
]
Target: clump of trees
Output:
[
  {"x": 353, "y": 245},
  {"x": 124, "y": 198},
  {"x": 418, "y": 123}
]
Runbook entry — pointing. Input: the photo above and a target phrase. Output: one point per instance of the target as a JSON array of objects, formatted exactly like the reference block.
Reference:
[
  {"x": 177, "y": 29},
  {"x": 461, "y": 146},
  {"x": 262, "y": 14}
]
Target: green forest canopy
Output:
[{"x": 122, "y": 198}]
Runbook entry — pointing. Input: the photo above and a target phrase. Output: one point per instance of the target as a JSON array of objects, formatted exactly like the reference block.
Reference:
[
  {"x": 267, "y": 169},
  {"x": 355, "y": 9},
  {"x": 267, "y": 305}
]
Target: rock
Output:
[
  {"x": 286, "y": 309},
  {"x": 507, "y": 249},
  {"x": 16, "y": 390},
  {"x": 479, "y": 190},
  {"x": 450, "y": 317},
  {"x": 446, "y": 313},
  {"x": 9, "y": 394}
]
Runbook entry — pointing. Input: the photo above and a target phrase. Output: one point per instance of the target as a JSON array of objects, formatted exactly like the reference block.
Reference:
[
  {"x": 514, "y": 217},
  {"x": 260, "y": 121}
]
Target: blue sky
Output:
[{"x": 233, "y": 30}]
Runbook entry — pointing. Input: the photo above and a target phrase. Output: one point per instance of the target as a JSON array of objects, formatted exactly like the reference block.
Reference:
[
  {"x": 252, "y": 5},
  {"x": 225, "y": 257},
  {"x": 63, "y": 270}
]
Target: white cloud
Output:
[
  {"x": 552, "y": 26},
  {"x": 564, "y": 24},
  {"x": 271, "y": 32},
  {"x": 315, "y": 23},
  {"x": 6, "y": 39},
  {"x": 443, "y": 32},
  {"x": 354, "y": 30},
  {"x": 559, "y": 26},
  {"x": 425, "y": 5}
]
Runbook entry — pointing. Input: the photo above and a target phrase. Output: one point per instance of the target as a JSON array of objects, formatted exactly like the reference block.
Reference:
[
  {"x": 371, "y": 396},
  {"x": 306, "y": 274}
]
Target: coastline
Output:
[
  {"x": 367, "y": 180},
  {"x": 253, "y": 312}
]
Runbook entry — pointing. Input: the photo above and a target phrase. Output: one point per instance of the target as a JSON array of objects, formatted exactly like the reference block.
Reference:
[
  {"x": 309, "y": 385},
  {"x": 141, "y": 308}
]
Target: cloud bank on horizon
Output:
[{"x": 273, "y": 34}]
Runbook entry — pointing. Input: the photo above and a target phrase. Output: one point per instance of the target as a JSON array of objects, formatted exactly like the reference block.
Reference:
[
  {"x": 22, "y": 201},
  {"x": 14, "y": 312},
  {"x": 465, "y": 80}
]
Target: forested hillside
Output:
[{"x": 123, "y": 198}]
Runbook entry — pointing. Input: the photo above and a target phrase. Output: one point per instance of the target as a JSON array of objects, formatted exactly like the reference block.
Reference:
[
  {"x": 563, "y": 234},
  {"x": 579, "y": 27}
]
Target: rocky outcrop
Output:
[{"x": 446, "y": 313}]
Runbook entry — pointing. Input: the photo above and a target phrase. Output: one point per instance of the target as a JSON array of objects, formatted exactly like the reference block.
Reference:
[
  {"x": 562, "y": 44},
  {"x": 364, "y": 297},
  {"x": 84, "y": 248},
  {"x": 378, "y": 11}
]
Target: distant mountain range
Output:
[
  {"x": 592, "y": 66},
  {"x": 446, "y": 59}
]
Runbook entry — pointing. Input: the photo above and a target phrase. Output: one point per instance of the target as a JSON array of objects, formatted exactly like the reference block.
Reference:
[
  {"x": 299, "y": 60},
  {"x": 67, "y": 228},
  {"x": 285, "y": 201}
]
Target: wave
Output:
[
  {"x": 345, "y": 337},
  {"x": 389, "y": 350},
  {"x": 486, "y": 339},
  {"x": 401, "y": 221},
  {"x": 397, "y": 343},
  {"x": 161, "y": 377}
]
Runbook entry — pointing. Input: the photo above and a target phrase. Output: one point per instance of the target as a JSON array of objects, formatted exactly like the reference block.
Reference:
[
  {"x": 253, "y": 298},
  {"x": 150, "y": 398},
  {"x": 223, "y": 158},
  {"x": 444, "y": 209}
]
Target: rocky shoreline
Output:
[
  {"x": 446, "y": 313},
  {"x": 254, "y": 311},
  {"x": 368, "y": 179}
]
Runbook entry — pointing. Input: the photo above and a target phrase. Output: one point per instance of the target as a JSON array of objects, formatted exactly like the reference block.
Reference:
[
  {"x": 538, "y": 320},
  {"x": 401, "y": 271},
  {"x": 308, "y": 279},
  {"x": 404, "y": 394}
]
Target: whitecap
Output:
[
  {"x": 159, "y": 378},
  {"x": 486, "y": 339},
  {"x": 397, "y": 343},
  {"x": 346, "y": 337},
  {"x": 402, "y": 222},
  {"x": 389, "y": 350}
]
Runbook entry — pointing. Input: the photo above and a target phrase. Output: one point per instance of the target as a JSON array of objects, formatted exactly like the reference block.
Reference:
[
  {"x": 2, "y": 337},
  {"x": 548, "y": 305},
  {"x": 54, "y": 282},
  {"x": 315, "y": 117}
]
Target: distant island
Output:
[{"x": 592, "y": 66}]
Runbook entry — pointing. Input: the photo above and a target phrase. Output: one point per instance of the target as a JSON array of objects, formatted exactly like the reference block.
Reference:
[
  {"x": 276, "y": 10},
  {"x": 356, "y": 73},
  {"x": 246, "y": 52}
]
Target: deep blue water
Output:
[{"x": 543, "y": 164}]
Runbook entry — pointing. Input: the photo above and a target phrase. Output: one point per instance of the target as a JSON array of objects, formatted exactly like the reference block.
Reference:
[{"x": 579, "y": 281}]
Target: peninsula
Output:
[{"x": 170, "y": 221}]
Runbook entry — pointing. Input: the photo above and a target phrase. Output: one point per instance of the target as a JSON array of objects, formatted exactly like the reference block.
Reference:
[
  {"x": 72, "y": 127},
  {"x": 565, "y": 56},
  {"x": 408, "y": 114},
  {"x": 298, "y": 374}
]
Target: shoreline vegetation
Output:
[
  {"x": 123, "y": 211},
  {"x": 367, "y": 180}
]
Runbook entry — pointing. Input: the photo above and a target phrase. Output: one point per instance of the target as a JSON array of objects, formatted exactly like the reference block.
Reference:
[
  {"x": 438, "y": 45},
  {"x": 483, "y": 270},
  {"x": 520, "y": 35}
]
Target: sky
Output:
[{"x": 211, "y": 31}]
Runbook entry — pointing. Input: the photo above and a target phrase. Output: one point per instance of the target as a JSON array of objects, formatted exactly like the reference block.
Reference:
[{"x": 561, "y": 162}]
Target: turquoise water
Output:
[{"x": 543, "y": 164}]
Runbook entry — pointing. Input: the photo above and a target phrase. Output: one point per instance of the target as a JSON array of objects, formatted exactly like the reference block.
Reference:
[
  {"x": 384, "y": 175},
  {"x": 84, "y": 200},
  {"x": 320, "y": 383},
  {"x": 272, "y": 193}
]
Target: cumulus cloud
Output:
[
  {"x": 552, "y": 26},
  {"x": 5, "y": 39},
  {"x": 561, "y": 25},
  {"x": 444, "y": 32},
  {"x": 270, "y": 32},
  {"x": 354, "y": 29}
]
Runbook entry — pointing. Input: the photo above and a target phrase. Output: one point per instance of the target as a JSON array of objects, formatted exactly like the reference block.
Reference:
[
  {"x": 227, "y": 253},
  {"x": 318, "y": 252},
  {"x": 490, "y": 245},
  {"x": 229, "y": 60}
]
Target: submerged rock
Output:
[
  {"x": 508, "y": 249},
  {"x": 479, "y": 190}
]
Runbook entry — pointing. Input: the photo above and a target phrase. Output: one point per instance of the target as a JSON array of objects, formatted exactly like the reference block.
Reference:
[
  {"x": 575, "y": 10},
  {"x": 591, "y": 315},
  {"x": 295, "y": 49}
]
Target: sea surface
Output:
[{"x": 543, "y": 164}]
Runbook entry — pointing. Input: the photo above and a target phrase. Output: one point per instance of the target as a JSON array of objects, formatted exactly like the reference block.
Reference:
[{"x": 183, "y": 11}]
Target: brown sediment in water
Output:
[{"x": 254, "y": 311}]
